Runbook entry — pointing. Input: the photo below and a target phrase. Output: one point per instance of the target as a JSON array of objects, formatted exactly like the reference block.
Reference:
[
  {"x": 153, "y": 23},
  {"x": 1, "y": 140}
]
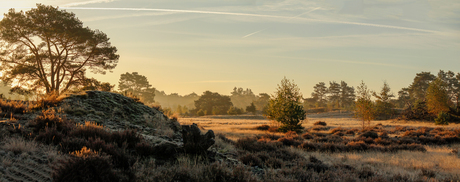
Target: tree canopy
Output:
[
  {"x": 138, "y": 85},
  {"x": 319, "y": 93},
  {"x": 242, "y": 98},
  {"x": 338, "y": 95},
  {"x": 48, "y": 49},
  {"x": 417, "y": 90},
  {"x": 437, "y": 98},
  {"x": 213, "y": 103}
]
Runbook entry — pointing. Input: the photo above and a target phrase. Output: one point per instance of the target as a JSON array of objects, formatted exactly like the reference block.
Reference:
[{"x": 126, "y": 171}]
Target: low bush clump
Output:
[
  {"x": 251, "y": 144},
  {"x": 320, "y": 123},
  {"x": 320, "y": 128},
  {"x": 50, "y": 119},
  {"x": 8, "y": 108},
  {"x": 86, "y": 165},
  {"x": 47, "y": 101},
  {"x": 263, "y": 127},
  {"x": 307, "y": 136},
  {"x": 442, "y": 119}
]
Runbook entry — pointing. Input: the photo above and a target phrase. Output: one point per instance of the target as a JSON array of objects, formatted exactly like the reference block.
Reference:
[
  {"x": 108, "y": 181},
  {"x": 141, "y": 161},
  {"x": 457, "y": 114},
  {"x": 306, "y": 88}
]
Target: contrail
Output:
[
  {"x": 246, "y": 14},
  {"x": 288, "y": 19},
  {"x": 88, "y": 2},
  {"x": 305, "y": 13},
  {"x": 253, "y": 33}
]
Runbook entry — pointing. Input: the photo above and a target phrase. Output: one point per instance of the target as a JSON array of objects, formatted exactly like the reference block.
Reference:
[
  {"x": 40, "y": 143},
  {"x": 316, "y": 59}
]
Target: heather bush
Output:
[
  {"x": 251, "y": 144},
  {"x": 290, "y": 141},
  {"x": 97, "y": 168},
  {"x": 251, "y": 159},
  {"x": 337, "y": 130},
  {"x": 48, "y": 119},
  {"x": 19, "y": 145},
  {"x": 47, "y": 101},
  {"x": 130, "y": 137},
  {"x": 307, "y": 136},
  {"x": 370, "y": 134},
  {"x": 89, "y": 130},
  {"x": 8, "y": 108},
  {"x": 263, "y": 127},
  {"x": 321, "y": 123},
  {"x": 50, "y": 136},
  {"x": 319, "y": 128}
]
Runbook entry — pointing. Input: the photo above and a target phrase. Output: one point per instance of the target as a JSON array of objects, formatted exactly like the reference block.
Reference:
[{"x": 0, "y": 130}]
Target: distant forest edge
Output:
[{"x": 326, "y": 97}]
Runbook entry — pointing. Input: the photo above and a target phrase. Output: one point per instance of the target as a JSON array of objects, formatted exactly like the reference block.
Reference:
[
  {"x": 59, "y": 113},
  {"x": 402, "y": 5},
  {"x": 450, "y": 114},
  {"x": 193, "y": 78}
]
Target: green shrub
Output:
[
  {"x": 442, "y": 119},
  {"x": 200, "y": 112}
]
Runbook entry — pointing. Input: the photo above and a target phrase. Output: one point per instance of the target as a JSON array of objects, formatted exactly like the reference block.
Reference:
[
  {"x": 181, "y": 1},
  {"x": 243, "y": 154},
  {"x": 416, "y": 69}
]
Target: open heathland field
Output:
[{"x": 394, "y": 150}]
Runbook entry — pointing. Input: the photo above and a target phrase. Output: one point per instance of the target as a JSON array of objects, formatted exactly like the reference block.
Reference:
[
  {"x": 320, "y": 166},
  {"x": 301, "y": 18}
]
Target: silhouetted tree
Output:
[
  {"x": 347, "y": 94},
  {"x": 213, "y": 103},
  {"x": 262, "y": 102},
  {"x": 286, "y": 107},
  {"x": 251, "y": 108},
  {"x": 417, "y": 90},
  {"x": 49, "y": 49},
  {"x": 403, "y": 98},
  {"x": 319, "y": 93},
  {"x": 334, "y": 93},
  {"x": 383, "y": 105},
  {"x": 137, "y": 85},
  {"x": 242, "y": 98},
  {"x": 93, "y": 84}
]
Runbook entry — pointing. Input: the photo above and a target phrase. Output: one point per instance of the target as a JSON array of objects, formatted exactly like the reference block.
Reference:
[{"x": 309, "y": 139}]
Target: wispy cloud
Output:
[
  {"x": 87, "y": 2},
  {"x": 352, "y": 62},
  {"x": 220, "y": 81},
  {"x": 254, "y": 15}
]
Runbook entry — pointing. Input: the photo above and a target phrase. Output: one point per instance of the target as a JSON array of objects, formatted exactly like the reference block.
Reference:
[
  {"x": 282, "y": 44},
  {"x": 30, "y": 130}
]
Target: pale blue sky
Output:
[{"x": 186, "y": 46}]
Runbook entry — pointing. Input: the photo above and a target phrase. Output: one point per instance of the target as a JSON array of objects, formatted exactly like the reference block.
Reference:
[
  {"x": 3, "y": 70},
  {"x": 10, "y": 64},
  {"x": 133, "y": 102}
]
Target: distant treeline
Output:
[{"x": 334, "y": 96}]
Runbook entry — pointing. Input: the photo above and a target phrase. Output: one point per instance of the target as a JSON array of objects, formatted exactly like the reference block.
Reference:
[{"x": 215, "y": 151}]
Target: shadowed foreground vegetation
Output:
[{"x": 52, "y": 147}]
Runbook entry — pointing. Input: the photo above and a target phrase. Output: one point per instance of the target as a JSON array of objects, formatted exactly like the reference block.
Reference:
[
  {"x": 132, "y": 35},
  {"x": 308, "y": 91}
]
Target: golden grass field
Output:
[
  {"x": 242, "y": 126},
  {"x": 438, "y": 161}
]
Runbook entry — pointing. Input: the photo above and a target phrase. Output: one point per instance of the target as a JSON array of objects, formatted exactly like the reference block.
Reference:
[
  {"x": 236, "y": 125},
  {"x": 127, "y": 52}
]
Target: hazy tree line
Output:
[{"x": 336, "y": 95}]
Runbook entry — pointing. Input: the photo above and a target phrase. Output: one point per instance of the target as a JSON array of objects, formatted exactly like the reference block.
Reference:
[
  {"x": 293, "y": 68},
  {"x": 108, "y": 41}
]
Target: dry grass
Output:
[
  {"x": 437, "y": 159},
  {"x": 20, "y": 145},
  {"x": 235, "y": 127},
  {"x": 231, "y": 128},
  {"x": 162, "y": 128},
  {"x": 437, "y": 163}
]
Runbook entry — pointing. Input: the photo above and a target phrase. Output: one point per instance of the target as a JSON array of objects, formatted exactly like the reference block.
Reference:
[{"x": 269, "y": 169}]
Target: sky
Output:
[{"x": 185, "y": 46}]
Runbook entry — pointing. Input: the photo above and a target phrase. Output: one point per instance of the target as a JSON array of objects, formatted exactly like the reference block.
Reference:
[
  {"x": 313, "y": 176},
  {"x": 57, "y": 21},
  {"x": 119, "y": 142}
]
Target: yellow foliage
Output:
[{"x": 84, "y": 152}]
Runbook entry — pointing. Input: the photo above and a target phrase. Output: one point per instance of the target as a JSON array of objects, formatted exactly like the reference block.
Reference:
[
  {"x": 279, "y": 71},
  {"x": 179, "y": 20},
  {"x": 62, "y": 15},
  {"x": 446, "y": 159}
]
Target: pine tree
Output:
[
  {"x": 286, "y": 107},
  {"x": 364, "y": 107}
]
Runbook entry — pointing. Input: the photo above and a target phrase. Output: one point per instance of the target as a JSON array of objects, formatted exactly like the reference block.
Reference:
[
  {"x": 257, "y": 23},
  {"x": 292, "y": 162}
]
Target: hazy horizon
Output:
[{"x": 194, "y": 46}]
